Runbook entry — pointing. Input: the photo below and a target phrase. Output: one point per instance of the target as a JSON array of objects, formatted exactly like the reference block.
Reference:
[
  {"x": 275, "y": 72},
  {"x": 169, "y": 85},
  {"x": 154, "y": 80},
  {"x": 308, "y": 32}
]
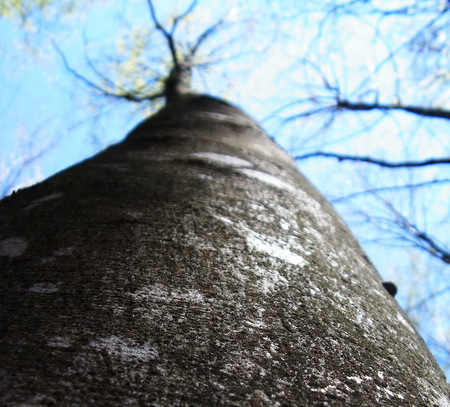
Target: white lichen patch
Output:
[
  {"x": 284, "y": 225},
  {"x": 274, "y": 248},
  {"x": 255, "y": 323},
  {"x": 226, "y": 118},
  {"x": 125, "y": 349},
  {"x": 59, "y": 342},
  {"x": 268, "y": 179},
  {"x": 319, "y": 237},
  {"x": 222, "y": 159},
  {"x": 441, "y": 400},
  {"x": 63, "y": 251},
  {"x": 243, "y": 366},
  {"x": 405, "y": 322},
  {"x": 313, "y": 291},
  {"x": 207, "y": 177},
  {"x": 333, "y": 264},
  {"x": 358, "y": 379},
  {"x": 334, "y": 391},
  {"x": 224, "y": 219},
  {"x": 217, "y": 116},
  {"x": 308, "y": 203},
  {"x": 161, "y": 293},
  {"x": 44, "y": 288},
  {"x": 259, "y": 398},
  {"x": 157, "y": 292},
  {"x": 269, "y": 279},
  {"x": 437, "y": 399},
  {"x": 315, "y": 208},
  {"x": 379, "y": 292},
  {"x": 13, "y": 247},
  {"x": 257, "y": 207},
  {"x": 37, "y": 202},
  {"x": 363, "y": 319},
  {"x": 355, "y": 311},
  {"x": 392, "y": 394}
]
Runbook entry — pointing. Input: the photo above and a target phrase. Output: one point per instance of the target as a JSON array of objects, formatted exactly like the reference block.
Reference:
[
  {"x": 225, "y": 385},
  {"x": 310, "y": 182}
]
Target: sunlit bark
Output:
[{"x": 192, "y": 264}]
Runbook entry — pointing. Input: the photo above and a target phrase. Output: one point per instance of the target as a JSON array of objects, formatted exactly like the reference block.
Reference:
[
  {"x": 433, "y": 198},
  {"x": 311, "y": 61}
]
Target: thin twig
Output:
[
  {"x": 389, "y": 189},
  {"x": 371, "y": 160},
  {"x": 418, "y": 237},
  {"x": 180, "y": 17},
  {"x": 418, "y": 110},
  {"x": 204, "y": 36}
]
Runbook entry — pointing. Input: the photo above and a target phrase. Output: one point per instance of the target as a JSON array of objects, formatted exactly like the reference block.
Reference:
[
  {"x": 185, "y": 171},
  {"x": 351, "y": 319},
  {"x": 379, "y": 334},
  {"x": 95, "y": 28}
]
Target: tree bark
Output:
[{"x": 192, "y": 265}]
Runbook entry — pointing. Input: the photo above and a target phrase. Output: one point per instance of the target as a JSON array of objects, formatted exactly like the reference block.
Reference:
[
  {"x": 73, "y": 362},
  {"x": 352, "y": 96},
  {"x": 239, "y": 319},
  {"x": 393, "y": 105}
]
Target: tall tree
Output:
[
  {"x": 403, "y": 205},
  {"x": 191, "y": 264}
]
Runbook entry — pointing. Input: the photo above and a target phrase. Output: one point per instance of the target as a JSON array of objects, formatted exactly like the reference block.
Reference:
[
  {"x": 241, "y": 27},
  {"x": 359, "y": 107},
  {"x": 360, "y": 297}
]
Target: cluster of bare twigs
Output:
[
  {"x": 183, "y": 60},
  {"x": 329, "y": 101}
]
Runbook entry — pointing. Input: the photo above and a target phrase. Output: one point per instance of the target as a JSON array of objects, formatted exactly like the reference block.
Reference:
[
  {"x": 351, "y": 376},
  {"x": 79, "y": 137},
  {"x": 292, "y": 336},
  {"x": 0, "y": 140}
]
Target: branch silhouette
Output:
[
  {"x": 418, "y": 110},
  {"x": 130, "y": 96},
  {"x": 371, "y": 160}
]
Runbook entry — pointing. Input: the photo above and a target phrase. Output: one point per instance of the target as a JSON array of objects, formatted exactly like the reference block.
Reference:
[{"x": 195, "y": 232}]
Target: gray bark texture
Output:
[{"x": 192, "y": 265}]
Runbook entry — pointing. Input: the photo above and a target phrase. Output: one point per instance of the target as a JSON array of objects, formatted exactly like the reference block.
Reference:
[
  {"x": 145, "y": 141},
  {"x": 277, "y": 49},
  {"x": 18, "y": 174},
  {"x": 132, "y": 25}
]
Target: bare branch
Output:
[
  {"x": 131, "y": 95},
  {"x": 370, "y": 160},
  {"x": 399, "y": 226},
  {"x": 430, "y": 244},
  {"x": 170, "y": 35},
  {"x": 341, "y": 105},
  {"x": 204, "y": 36},
  {"x": 180, "y": 17},
  {"x": 9, "y": 181},
  {"x": 426, "y": 300},
  {"x": 166, "y": 34},
  {"x": 408, "y": 42},
  {"x": 422, "y": 239},
  {"x": 418, "y": 110},
  {"x": 391, "y": 188},
  {"x": 367, "y": 8},
  {"x": 309, "y": 113},
  {"x": 91, "y": 64}
]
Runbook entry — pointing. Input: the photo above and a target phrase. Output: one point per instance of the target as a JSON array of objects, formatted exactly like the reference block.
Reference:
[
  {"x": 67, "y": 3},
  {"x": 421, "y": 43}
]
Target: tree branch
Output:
[
  {"x": 370, "y": 160},
  {"x": 423, "y": 240},
  {"x": 180, "y": 17},
  {"x": 170, "y": 35},
  {"x": 204, "y": 36},
  {"x": 131, "y": 96},
  {"x": 389, "y": 189},
  {"x": 412, "y": 233},
  {"x": 431, "y": 296},
  {"x": 418, "y": 110},
  {"x": 431, "y": 246},
  {"x": 166, "y": 34}
]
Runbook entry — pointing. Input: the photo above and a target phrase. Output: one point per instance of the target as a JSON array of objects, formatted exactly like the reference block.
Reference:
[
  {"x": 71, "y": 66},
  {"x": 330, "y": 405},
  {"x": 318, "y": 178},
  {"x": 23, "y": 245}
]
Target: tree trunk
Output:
[{"x": 192, "y": 265}]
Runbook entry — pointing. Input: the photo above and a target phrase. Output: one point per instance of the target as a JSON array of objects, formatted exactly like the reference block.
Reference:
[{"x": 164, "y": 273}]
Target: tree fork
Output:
[{"x": 191, "y": 264}]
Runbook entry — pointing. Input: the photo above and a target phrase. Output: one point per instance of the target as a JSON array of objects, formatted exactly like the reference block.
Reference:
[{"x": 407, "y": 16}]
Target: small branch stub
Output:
[{"x": 390, "y": 287}]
